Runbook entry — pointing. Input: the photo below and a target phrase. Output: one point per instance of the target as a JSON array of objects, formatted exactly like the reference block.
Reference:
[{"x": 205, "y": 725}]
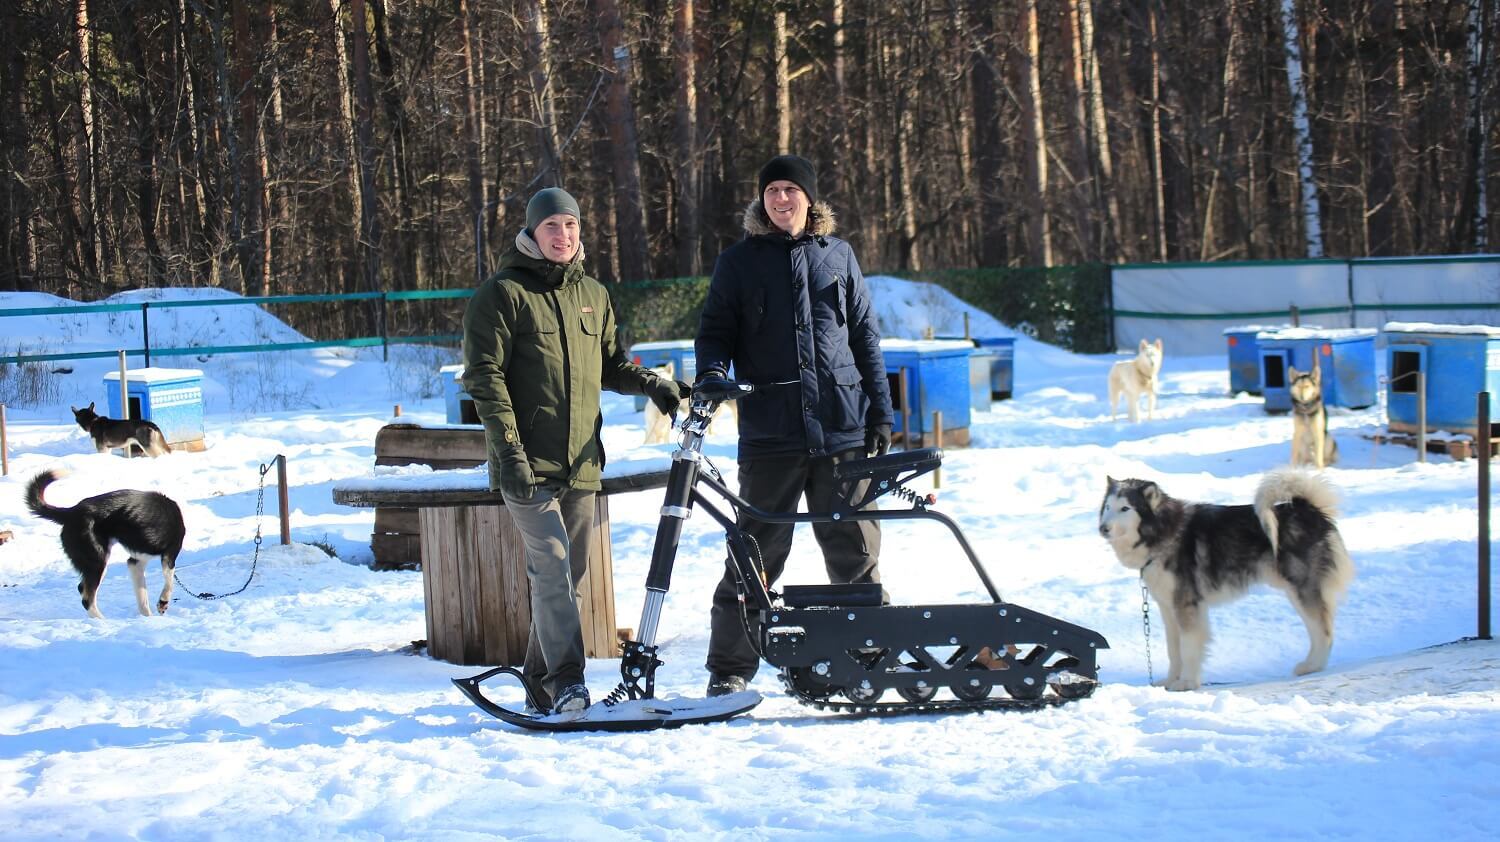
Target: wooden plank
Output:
[
  {"x": 391, "y": 519},
  {"x": 515, "y": 598},
  {"x": 434, "y": 463},
  {"x": 433, "y": 554},
  {"x": 419, "y": 444},
  {"x": 396, "y": 549},
  {"x": 437, "y": 497}
]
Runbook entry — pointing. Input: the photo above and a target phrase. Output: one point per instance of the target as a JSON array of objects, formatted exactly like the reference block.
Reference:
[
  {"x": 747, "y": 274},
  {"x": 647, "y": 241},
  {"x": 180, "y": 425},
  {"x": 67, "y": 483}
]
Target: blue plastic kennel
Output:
[
  {"x": 678, "y": 352},
  {"x": 459, "y": 406},
  {"x": 937, "y": 377},
  {"x": 1346, "y": 357},
  {"x": 1244, "y": 356},
  {"x": 1457, "y": 362},
  {"x": 170, "y": 398}
]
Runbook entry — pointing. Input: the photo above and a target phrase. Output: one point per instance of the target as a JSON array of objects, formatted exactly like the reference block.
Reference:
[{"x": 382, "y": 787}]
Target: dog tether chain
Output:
[
  {"x": 1146, "y": 625},
  {"x": 260, "y": 507}
]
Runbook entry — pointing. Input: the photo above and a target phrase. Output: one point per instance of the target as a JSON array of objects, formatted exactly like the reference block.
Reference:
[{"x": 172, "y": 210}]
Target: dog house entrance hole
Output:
[
  {"x": 467, "y": 413},
  {"x": 898, "y": 398},
  {"x": 135, "y": 407},
  {"x": 1275, "y": 373},
  {"x": 1404, "y": 368}
]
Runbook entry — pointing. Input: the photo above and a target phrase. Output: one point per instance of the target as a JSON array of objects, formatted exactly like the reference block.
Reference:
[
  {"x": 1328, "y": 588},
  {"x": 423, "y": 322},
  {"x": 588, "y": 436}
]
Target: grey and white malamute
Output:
[{"x": 1194, "y": 555}]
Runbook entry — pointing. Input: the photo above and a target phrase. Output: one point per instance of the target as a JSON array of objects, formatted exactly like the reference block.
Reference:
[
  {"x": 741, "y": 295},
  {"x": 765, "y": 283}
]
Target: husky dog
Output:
[
  {"x": 1132, "y": 378},
  {"x": 145, "y": 523},
  {"x": 1311, "y": 444},
  {"x": 659, "y": 426},
  {"x": 1194, "y": 555},
  {"x": 109, "y": 433}
]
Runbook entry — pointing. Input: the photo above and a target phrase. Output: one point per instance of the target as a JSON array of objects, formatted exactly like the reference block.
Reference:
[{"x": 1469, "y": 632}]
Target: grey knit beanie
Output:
[{"x": 548, "y": 202}]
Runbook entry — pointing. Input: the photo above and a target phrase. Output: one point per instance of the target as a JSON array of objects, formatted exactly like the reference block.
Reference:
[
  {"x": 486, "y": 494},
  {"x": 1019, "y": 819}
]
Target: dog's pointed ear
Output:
[
  {"x": 1153, "y": 494},
  {"x": 1110, "y": 484},
  {"x": 1158, "y": 343},
  {"x": 1292, "y": 373},
  {"x": 91, "y": 406},
  {"x": 1144, "y": 343},
  {"x": 1317, "y": 372}
]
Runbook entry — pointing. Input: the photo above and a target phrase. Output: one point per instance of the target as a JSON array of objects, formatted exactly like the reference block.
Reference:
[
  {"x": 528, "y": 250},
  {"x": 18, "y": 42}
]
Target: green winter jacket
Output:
[{"x": 539, "y": 343}]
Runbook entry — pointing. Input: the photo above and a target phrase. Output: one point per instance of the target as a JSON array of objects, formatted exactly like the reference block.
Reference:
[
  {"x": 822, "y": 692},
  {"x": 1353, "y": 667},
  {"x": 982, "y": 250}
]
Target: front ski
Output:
[{"x": 607, "y": 715}]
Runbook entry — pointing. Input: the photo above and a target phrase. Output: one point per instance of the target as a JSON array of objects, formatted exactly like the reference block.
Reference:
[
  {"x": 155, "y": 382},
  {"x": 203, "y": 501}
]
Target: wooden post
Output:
[
  {"x": 1421, "y": 416},
  {"x": 937, "y": 441},
  {"x": 281, "y": 499},
  {"x": 905, "y": 410},
  {"x": 1484, "y": 515},
  {"x": 124, "y": 394},
  {"x": 4, "y": 448},
  {"x": 1296, "y": 317},
  {"x": 397, "y": 412},
  {"x": 968, "y": 336}
]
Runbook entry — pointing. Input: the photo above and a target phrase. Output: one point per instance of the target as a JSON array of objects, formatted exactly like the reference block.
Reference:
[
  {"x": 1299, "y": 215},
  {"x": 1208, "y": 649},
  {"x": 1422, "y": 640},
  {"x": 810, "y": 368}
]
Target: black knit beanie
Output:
[
  {"x": 793, "y": 168},
  {"x": 548, "y": 202}
]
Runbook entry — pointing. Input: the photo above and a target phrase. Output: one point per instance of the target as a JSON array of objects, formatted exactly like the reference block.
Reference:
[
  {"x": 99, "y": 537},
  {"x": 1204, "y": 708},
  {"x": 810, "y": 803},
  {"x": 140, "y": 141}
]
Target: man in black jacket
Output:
[{"x": 789, "y": 303}]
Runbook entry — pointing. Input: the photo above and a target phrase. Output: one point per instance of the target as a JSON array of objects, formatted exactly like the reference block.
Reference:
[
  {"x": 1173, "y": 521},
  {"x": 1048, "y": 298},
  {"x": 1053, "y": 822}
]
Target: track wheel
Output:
[
  {"x": 971, "y": 687},
  {"x": 1074, "y": 689},
  {"x": 917, "y": 695},
  {"x": 1019, "y": 689},
  {"x": 863, "y": 695}
]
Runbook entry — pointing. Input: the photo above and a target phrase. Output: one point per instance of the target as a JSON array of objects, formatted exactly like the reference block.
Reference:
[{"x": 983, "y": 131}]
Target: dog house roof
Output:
[{"x": 1428, "y": 327}]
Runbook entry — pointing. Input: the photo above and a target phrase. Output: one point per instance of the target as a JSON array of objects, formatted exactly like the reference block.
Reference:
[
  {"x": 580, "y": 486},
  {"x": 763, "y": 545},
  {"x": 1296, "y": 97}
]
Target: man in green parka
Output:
[{"x": 539, "y": 344}]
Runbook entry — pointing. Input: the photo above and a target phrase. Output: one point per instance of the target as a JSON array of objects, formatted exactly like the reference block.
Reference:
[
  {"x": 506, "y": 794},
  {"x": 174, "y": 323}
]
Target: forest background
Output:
[{"x": 336, "y": 146}]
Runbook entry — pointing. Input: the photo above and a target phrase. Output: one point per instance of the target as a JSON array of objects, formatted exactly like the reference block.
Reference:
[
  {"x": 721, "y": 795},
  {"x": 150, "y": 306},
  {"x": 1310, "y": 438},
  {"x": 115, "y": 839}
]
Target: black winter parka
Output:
[{"x": 783, "y": 309}]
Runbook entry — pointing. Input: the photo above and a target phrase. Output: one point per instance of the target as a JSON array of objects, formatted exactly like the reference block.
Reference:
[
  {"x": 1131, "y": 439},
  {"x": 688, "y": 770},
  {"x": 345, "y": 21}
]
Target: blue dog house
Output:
[
  {"x": 457, "y": 403},
  {"x": 1345, "y": 356},
  {"x": 1002, "y": 365},
  {"x": 1457, "y": 362},
  {"x": 1244, "y": 356},
  {"x": 678, "y": 352},
  {"x": 170, "y": 398},
  {"x": 937, "y": 377}
]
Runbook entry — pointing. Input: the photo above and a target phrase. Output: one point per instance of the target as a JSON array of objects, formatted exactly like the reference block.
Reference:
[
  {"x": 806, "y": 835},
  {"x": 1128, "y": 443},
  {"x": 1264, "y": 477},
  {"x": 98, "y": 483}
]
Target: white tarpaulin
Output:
[
  {"x": 1472, "y": 285},
  {"x": 1189, "y": 306}
]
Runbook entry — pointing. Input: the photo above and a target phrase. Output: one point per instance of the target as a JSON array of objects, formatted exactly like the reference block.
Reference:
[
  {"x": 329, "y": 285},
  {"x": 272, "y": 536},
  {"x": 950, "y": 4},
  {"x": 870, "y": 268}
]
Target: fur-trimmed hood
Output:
[{"x": 820, "y": 220}]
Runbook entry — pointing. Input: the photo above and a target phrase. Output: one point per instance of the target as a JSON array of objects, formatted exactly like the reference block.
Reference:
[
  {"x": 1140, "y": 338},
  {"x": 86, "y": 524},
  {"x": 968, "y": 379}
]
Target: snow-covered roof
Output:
[
  {"x": 1316, "y": 333},
  {"x": 153, "y": 374},
  {"x": 920, "y": 345},
  {"x": 1428, "y": 327}
]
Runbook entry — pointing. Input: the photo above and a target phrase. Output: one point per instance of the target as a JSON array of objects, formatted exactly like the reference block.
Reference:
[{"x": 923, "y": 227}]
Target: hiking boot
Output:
[
  {"x": 723, "y": 685},
  {"x": 573, "y": 698},
  {"x": 532, "y": 710}
]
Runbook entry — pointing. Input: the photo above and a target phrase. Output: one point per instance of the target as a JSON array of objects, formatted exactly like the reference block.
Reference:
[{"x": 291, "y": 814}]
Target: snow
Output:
[
  {"x": 1429, "y": 327},
  {"x": 299, "y": 708}
]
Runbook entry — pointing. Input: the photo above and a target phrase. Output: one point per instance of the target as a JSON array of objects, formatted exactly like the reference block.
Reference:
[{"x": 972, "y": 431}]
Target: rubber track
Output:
[{"x": 938, "y": 706}]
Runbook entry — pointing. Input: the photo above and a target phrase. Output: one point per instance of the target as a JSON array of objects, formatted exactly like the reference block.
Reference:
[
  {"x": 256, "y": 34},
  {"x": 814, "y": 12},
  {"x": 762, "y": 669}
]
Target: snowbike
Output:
[{"x": 837, "y": 647}]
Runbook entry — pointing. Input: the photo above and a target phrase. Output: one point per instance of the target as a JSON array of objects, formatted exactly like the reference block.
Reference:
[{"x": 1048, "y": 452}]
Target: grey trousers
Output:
[
  {"x": 557, "y": 525},
  {"x": 851, "y": 549}
]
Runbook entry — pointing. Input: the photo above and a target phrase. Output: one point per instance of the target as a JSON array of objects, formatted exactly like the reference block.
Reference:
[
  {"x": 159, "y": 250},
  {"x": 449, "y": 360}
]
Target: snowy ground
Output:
[{"x": 298, "y": 708}]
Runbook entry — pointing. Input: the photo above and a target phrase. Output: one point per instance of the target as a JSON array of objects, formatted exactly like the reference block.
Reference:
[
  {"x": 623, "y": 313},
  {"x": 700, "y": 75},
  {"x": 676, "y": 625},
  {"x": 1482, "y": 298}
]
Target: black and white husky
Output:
[
  {"x": 145, "y": 523},
  {"x": 110, "y": 433},
  {"x": 1194, "y": 555}
]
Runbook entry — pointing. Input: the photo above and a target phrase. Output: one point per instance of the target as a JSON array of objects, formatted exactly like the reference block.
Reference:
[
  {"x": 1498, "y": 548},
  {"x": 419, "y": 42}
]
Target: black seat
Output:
[
  {"x": 866, "y": 595},
  {"x": 921, "y": 461}
]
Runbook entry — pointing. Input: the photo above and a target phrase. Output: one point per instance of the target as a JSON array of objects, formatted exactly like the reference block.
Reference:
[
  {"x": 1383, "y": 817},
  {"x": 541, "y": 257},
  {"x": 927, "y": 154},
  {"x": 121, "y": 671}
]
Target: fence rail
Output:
[{"x": 146, "y": 351}]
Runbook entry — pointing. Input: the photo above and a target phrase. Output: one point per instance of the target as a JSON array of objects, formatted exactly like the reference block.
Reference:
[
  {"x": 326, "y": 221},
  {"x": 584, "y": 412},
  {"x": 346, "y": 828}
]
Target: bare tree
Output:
[
  {"x": 685, "y": 126},
  {"x": 1312, "y": 218},
  {"x": 624, "y": 151}
]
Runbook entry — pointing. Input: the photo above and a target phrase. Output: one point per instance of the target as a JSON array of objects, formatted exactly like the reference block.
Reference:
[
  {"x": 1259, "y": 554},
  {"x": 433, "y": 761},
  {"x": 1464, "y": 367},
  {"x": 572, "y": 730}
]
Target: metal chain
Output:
[
  {"x": 1146, "y": 626},
  {"x": 260, "y": 507}
]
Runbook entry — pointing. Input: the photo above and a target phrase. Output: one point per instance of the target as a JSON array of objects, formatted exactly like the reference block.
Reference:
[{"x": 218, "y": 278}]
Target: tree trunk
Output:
[
  {"x": 248, "y": 167},
  {"x": 624, "y": 151},
  {"x": 143, "y": 114},
  {"x": 685, "y": 137},
  {"x": 1471, "y": 228},
  {"x": 1034, "y": 137},
  {"x": 1099, "y": 127},
  {"x": 1312, "y": 218},
  {"x": 85, "y": 154},
  {"x": 364, "y": 134},
  {"x": 1158, "y": 179},
  {"x": 989, "y": 149},
  {"x": 473, "y": 162},
  {"x": 16, "y": 199},
  {"x": 539, "y": 68},
  {"x": 839, "y": 163},
  {"x": 1220, "y": 163},
  {"x": 402, "y": 194},
  {"x": 782, "y": 85}
]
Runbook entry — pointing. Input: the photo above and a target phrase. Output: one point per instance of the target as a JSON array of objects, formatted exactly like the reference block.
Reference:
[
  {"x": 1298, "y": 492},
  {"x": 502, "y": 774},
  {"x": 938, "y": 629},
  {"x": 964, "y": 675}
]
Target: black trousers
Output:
[{"x": 851, "y": 549}]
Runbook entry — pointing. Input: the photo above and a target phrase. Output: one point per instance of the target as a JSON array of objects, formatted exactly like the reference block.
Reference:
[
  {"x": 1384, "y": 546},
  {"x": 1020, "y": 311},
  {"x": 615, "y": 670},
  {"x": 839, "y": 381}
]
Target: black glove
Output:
[
  {"x": 878, "y": 439},
  {"x": 516, "y": 478},
  {"x": 667, "y": 394}
]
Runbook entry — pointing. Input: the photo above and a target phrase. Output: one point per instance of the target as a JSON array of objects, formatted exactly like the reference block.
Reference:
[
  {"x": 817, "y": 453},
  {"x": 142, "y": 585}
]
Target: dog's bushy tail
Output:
[
  {"x": 39, "y": 506},
  {"x": 1285, "y": 485}
]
